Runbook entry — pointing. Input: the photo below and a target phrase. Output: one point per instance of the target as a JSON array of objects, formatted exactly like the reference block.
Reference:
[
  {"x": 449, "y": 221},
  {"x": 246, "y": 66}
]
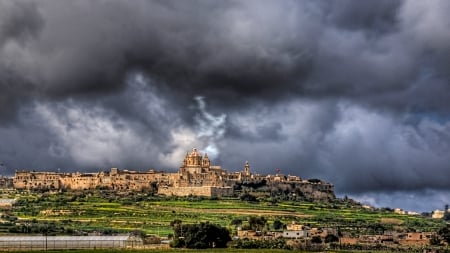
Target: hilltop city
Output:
[
  {"x": 305, "y": 213},
  {"x": 196, "y": 177}
]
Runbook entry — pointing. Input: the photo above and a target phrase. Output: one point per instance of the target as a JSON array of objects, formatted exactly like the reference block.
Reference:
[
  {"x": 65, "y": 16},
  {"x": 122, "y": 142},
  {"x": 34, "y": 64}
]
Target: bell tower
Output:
[
  {"x": 206, "y": 163},
  {"x": 247, "y": 169}
]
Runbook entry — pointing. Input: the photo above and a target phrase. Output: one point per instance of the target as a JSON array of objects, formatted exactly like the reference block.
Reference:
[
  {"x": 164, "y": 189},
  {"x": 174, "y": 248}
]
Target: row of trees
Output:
[
  {"x": 257, "y": 223},
  {"x": 260, "y": 244}
]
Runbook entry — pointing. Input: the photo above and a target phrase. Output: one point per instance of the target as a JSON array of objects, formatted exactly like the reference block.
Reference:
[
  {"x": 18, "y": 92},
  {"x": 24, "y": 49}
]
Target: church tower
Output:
[
  {"x": 206, "y": 163},
  {"x": 247, "y": 169}
]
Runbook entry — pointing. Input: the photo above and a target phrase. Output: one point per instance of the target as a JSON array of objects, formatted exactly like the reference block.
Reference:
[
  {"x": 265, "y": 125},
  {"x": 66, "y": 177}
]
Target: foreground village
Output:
[{"x": 199, "y": 179}]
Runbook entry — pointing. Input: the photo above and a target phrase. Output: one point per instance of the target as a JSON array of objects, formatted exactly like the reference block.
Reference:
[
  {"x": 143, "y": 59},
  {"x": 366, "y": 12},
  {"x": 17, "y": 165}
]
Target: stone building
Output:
[
  {"x": 30, "y": 180},
  {"x": 6, "y": 182},
  {"x": 415, "y": 238},
  {"x": 296, "y": 231},
  {"x": 438, "y": 214},
  {"x": 196, "y": 176}
]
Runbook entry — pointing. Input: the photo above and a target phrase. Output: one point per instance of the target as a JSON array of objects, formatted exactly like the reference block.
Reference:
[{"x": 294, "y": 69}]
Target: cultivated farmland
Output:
[{"x": 108, "y": 212}]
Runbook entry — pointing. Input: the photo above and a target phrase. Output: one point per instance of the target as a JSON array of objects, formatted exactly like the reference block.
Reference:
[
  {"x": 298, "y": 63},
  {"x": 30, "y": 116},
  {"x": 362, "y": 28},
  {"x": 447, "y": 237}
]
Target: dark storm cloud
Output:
[
  {"x": 19, "y": 23},
  {"x": 242, "y": 50},
  {"x": 357, "y": 149},
  {"x": 373, "y": 17},
  {"x": 353, "y": 92}
]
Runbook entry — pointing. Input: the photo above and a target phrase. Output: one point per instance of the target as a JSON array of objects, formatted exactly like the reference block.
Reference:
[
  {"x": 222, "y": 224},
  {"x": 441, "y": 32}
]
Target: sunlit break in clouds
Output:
[{"x": 209, "y": 127}]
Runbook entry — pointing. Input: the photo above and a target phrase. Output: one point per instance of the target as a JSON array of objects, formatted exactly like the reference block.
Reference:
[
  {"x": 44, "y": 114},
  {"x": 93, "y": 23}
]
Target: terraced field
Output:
[{"x": 102, "y": 211}]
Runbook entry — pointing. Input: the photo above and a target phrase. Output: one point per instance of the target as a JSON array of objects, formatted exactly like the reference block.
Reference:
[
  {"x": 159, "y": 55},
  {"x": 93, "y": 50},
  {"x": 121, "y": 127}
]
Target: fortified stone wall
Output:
[
  {"x": 207, "y": 191},
  {"x": 78, "y": 181},
  {"x": 196, "y": 176},
  {"x": 37, "y": 180}
]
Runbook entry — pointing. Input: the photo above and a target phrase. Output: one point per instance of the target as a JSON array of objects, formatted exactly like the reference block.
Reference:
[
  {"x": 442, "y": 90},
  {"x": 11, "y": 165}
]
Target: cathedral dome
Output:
[{"x": 195, "y": 152}]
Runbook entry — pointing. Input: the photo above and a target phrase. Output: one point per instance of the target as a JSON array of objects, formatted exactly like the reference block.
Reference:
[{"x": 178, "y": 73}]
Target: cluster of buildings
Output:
[
  {"x": 401, "y": 211},
  {"x": 196, "y": 176},
  {"x": 295, "y": 231},
  {"x": 389, "y": 238},
  {"x": 436, "y": 214},
  {"x": 292, "y": 231}
]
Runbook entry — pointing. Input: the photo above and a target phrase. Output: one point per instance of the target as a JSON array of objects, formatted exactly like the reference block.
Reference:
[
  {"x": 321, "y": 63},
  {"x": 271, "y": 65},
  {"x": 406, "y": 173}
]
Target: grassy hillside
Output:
[{"x": 104, "y": 211}]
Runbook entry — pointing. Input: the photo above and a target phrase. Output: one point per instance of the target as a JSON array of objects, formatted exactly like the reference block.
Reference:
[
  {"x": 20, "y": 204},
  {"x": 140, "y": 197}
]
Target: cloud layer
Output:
[{"x": 355, "y": 93}]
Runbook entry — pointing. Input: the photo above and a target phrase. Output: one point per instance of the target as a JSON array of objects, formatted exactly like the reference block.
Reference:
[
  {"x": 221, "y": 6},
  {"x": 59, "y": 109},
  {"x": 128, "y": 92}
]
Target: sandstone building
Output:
[{"x": 196, "y": 177}]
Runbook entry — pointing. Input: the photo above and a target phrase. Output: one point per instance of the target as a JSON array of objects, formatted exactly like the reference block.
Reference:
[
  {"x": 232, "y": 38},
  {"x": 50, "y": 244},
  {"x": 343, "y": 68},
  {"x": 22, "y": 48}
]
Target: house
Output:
[
  {"x": 438, "y": 214},
  {"x": 296, "y": 231},
  {"x": 415, "y": 238},
  {"x": 296, "y": 234},
  {"x": 249, "y": 234}
]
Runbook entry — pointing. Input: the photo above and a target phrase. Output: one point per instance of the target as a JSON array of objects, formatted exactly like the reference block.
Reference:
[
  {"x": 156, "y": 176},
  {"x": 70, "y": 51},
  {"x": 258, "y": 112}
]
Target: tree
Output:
[
  {"x": 331, "y": 238},
  {"x": 201, "y": 236},
  {"x": 248, "y": 197},
  {"x": 175, "y": 223},
  {"x": 246, "y": 243},
  {"x": 257, "y": 223},
  {"x": 445, "y": 233},
  {"x": 377, "y": 228},
  {"x": 316, "y": 239},
  {"x": 277, "y": 224},
  {"x": 435, "y": 240},
  {"x": 446, "y": 216},
  {"x": 236, "y": 222},
  {"x": 446, "y": 213}
]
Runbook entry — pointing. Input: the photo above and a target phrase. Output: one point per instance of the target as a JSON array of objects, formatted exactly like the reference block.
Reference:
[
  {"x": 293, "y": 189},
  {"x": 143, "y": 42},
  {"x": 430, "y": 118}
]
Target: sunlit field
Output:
[{"x": 105, "y": 211}]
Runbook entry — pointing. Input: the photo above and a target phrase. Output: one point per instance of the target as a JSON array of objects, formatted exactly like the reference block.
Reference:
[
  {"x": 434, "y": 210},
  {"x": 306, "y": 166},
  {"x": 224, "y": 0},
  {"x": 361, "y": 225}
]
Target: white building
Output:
[
  {"x": 296, "y": 234},
  {"x": 438, "y": 214}
]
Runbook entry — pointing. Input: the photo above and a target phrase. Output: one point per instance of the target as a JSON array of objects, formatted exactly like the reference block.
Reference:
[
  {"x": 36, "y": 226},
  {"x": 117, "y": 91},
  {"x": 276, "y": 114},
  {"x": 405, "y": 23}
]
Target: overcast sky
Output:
[{"x": 353, "y": 92}]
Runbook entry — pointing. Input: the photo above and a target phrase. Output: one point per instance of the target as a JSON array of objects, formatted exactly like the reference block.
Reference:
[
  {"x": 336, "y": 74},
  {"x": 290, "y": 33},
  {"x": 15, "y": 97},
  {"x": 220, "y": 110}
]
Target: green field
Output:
[
  {"x": 190, "y": 251},
  {"x": 106, "y": 211}
]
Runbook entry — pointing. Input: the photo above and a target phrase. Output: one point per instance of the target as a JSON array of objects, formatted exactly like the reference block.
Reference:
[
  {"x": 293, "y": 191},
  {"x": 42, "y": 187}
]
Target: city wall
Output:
[
  {"x": 195, "y": 177},
  {"x": 207, "y": 191}
]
